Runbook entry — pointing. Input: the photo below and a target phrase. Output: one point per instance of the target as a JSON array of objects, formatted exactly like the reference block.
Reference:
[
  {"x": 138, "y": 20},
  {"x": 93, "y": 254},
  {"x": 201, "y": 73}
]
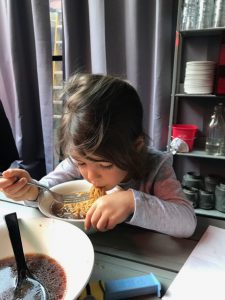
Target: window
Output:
[{"x": 57, "y": 64}]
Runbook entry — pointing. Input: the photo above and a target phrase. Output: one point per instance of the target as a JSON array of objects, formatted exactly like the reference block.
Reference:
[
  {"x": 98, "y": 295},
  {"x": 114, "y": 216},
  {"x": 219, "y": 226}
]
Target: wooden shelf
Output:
[
  {"x": 201, "y": 154},
  {"x": 202, "y": 32},
  {"x": 195, "y": 45},
  {"x": 210, "y": 213},
  {"x": 199, "y": 96}
]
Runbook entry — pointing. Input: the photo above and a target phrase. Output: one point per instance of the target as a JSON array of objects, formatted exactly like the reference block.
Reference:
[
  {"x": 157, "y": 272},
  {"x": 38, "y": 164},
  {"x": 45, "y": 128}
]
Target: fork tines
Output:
[{"x": 76, "y": 197}]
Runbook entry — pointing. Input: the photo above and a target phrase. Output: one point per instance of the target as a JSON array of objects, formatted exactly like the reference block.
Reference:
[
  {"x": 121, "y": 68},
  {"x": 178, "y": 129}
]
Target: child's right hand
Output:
[{"x": 14, "y": 185}]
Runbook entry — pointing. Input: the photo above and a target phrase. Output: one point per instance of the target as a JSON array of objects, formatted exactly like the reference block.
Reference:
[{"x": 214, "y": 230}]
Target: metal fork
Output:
[{"x": 61, "y": 198}]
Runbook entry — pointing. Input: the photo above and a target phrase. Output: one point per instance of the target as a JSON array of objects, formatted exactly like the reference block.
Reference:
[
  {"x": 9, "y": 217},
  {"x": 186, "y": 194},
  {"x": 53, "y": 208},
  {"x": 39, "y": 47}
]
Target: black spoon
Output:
[{"x": 27, "y": 286}]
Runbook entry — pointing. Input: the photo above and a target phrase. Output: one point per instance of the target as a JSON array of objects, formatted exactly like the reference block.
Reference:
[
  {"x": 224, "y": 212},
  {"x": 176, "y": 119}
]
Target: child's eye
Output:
[
  {"x": 106, "y": 166},
  {"x": 80, "y": 164}
]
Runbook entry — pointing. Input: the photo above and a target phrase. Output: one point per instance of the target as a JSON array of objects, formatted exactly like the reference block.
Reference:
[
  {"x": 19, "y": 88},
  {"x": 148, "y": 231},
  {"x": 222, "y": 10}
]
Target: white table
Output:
[{"x": 128, "y": 251}]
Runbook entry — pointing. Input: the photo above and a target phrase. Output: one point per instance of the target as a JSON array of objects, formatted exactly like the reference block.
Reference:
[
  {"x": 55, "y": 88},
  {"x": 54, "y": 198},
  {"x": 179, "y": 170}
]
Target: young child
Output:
[{"x": 103, "y": 141}]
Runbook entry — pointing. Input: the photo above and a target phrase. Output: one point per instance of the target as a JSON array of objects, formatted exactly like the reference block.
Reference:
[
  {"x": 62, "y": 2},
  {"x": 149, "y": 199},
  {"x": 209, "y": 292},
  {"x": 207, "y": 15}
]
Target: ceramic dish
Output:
[
  {"x": 46, "y": 202},
  {"x": 73, "y": 251}
]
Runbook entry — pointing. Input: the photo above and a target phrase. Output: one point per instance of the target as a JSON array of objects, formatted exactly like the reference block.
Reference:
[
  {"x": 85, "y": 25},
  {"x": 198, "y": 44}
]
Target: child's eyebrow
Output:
[
  {"x": 98, "y": 160},
  {"x": 91, "y": 159}
]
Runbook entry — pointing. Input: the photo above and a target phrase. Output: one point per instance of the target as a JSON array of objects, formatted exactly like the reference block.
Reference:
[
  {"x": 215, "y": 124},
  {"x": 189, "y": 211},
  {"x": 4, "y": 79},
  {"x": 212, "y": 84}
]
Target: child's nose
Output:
[{"x": 93, "y": 174}]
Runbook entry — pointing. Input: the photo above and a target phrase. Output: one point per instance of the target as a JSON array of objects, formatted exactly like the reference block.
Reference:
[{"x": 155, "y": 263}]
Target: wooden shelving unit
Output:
[{"x": 195, "y": 45}]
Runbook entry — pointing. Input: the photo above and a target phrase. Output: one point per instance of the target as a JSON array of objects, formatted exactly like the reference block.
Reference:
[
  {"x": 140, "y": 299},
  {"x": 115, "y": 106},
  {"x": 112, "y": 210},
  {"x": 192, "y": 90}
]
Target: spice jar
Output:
[
  {"x": 192, "y": 194},
  {"x": 192, "y": 179},
  {"x": 206, "y": 200},
  {"x": 220, "y": 197}
]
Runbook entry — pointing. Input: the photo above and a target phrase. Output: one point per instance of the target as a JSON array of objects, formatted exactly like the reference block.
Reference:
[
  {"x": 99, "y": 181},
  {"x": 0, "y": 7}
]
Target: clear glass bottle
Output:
[{"x": 215, "y": 138}]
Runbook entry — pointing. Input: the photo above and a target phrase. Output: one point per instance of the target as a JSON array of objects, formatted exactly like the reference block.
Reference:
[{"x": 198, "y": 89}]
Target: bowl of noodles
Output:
[{"x": 71, "y": 212}]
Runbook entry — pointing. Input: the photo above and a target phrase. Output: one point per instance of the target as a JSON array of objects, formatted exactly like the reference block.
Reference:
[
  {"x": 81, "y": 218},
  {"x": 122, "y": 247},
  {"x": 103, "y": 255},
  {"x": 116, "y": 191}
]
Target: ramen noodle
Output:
[{"x": 80, "y": 209}]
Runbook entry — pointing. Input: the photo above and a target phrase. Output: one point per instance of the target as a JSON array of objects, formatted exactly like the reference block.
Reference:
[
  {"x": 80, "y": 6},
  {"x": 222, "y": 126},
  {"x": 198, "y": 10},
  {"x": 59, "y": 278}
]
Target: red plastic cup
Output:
[{"x": 186, "y": 132}]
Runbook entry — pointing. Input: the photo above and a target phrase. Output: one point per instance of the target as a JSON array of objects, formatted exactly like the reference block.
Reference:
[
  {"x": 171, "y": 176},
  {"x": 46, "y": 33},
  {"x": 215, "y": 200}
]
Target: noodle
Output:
[{"x": 80, "y": 209}]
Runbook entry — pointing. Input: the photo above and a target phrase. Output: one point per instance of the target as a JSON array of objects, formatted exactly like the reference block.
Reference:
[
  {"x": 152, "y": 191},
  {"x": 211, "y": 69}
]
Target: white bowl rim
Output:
[{"x": 45, "y": 201}]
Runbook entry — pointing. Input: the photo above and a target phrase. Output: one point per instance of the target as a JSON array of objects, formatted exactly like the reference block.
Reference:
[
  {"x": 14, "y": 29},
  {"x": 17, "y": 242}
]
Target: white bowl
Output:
[
  {"x": 63, "y": 242},
  {"x": 46, "y": 201}
]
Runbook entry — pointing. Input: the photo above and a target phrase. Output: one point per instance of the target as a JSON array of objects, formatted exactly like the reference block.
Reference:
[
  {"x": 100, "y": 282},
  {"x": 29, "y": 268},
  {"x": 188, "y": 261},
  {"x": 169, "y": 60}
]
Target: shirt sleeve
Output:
[
  {"x": 161, "y": 205},
  {"x": 65, "y": 171}
]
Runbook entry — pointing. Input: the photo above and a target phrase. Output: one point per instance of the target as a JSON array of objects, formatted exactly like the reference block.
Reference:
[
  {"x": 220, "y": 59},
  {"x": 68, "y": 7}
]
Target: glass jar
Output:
[
  {"x": 192, "y": 179},
  {"x": 189, "y": 15},
  {"x": 211, "y": 182},
  {"x": 206, "y": 200},
  {"x": 219, "y": 14},
  {"x": 192, "y": 194},
  {"x": 205, "y": 14},
  {"x": 220, "y": 197}
]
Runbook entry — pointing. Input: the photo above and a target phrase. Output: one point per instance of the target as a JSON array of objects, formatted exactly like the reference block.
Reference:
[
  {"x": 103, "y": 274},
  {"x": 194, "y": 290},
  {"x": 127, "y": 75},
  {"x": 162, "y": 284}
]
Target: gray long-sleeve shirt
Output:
[{"x": 160, "y": 203}]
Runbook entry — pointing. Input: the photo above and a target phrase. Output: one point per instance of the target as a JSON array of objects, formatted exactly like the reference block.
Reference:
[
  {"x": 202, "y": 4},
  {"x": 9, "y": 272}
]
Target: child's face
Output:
[{"x": 99, "y": 172}]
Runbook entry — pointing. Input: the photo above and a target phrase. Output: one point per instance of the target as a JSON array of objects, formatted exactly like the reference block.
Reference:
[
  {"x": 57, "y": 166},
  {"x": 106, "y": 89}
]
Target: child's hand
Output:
[
  {"x": 14, "y": 185},
  {"x": 110, "y": 210}
]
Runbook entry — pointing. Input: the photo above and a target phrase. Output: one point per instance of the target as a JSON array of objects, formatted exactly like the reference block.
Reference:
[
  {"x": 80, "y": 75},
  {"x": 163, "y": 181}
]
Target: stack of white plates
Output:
[{"x": 199, "y": 77}]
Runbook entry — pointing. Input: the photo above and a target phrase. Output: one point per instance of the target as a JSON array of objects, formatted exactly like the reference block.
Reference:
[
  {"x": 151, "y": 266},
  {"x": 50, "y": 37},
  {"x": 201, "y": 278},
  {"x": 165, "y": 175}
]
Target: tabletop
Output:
[{"x": 128, "y": 251}]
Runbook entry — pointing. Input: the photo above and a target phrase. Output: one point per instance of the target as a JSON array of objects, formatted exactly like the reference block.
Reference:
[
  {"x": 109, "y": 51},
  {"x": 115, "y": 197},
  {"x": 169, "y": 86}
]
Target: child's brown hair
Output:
[{"x": 103, "y": 115}]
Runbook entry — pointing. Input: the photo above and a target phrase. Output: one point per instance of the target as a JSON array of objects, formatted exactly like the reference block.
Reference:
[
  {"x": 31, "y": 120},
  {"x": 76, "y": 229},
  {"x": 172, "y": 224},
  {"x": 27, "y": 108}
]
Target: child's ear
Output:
[{"x": 139, "y": 143}]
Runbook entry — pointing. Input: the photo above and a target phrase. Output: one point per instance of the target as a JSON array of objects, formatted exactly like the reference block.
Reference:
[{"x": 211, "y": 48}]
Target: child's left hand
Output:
[{"x": 110, "y": 210}]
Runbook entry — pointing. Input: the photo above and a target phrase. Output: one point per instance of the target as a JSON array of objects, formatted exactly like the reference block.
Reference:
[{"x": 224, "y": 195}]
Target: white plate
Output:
[
  {"x": 65, "y": 243},
  {"x": 199, "y": 77},
  {"x": 201, "y": 62},
  {"x": 197, "y": 68},
  {"x": 200, "y": 90},
  {"x": 46, "y": 201},
  {"x": 200, "y": 72},
  {"x": 198, "y": 82}
]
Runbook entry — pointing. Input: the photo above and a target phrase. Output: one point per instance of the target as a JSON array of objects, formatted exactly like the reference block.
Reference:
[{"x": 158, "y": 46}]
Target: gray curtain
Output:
[
  {"x": 130, "y": 38},
  {"x": 26, "y": 81}
]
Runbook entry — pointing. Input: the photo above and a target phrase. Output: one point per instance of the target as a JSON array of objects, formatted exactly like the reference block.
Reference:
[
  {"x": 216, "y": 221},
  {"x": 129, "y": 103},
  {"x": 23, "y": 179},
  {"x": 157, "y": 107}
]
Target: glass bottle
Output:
[{"x": 215, "y": 138}]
